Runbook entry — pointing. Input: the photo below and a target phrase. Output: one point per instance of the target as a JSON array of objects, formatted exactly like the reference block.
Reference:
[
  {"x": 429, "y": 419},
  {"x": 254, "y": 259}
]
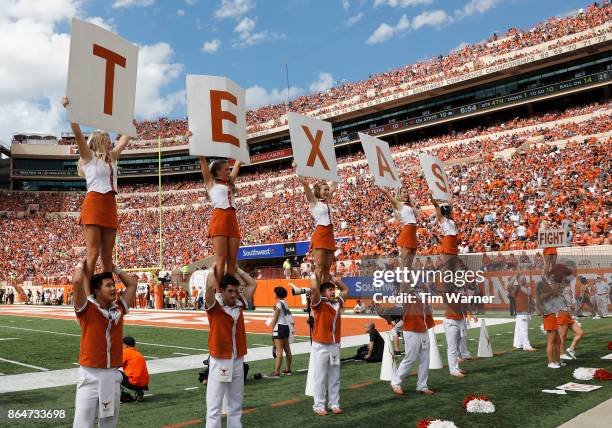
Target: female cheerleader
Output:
[
  {"x": 98, "y": 164},
  {"x": 223, "y": 228},
  {"x": 407, "y": 212},
  {"x": 322, "y": 242},
  {"x": 450, "y": 250}
]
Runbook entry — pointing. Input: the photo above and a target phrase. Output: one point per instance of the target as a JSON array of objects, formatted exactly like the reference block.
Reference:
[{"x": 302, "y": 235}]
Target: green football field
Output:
[{"x": 513, "y": 380}]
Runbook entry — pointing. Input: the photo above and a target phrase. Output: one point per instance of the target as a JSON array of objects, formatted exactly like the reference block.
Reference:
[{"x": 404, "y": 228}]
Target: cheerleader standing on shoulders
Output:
[
  {"x": 322, "y": 242},
  {"x": 223, "y": 228},
  {"x": 98, "y": 164},
  {"x": 407, "y": 212}
]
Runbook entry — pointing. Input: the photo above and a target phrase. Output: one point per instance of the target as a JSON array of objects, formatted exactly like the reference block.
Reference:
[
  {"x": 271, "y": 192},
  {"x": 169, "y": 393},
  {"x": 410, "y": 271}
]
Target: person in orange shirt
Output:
[
  {"x": 135, "y": 373},
  {"x": 326, "y": 334},
  {"x": 100, "y": 316},
  {"x": 417, "y": 320},
  {"x": 227, "y": 348}
]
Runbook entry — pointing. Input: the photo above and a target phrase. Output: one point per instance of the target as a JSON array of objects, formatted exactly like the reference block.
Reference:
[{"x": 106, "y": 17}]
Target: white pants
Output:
[
  {"x": 216, "y": 390},
  {"x": 521, "y": 332},
  {"x": 323, "y": 369},
  {"x": 87, "y": 398},
  {"x": 452, "y": 330},
  {"x": 463, "y": 349},
  {"x": 602, "y": 304},
  {"x": 416, "y": 346}
]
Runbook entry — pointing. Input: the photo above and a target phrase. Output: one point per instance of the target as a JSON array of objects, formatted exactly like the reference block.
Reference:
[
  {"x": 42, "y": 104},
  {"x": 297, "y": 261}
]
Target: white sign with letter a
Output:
[
  {"x": 551, "y": 238},
  {"x": 312, "y": 142},
  {"x": 101, "y": 79},
  {"x": 217, "y": 118},
  {"x": 380, "y": 160},
  {"x": 436, "y": 178}
]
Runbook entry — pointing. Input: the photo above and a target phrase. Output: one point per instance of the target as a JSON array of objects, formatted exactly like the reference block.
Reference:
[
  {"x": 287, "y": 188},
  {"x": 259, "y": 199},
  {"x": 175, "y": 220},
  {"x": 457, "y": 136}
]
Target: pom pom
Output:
[
  {"x": 480, "y": 406},
  {"x": 584, "y": 373},
  {"x": 435, "y": 423},
  {"x": 474, "y": 397},
  {"x": 602, "y": 374}
]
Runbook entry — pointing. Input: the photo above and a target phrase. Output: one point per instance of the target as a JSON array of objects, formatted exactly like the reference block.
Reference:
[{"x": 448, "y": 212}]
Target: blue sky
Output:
[
  {"x": 250, "y": 41},
  {"x": 314, "y": 36}
]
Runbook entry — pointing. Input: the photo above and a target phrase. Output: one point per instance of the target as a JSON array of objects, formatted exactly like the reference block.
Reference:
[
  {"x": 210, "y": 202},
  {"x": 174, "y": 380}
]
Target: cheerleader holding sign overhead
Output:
[
  {"x": 223, "y": 228},
  {"x": 407, "y": 212},
  {"x": 322, "y": 242}
]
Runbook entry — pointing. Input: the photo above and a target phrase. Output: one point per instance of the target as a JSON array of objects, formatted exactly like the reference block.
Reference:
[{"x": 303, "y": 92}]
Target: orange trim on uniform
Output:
[
  {"x": 220, "y": 340},
  {"x": 93, "y": 348},
  {"x": 550, "y": 322},
  {"x": 454, "y": 311},
  {"x": 224, "y": 223},
  {"x": 564, "y": 318},
  {"x": 323, "y": 237},
  {"x": 408, "y": 237},
  {"x": 135, "y": 367},
  {"x": 549, "y": 251},
  {"x": 449, "y": 245},
  {"x": 414, "y": 320},
  {"x": 324, "y": 314},
  {"x": 100, "y": 210}
]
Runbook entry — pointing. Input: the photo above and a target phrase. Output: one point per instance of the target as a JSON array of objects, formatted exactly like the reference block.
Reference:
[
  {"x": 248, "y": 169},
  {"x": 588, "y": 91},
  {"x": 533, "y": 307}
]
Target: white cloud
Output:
[
  {"x": 33, "y": 80},
  {"x": 256, "y": 96},
  {"x": 101, "y": 22},
  {"x": 346, "y": 4},
  {"x": 401, "y": 3},
  {"x": 435, "y": 18},
  {"x": 325, "y": 81},
  {"x": 385, "y": 31},
  {"x": 248, "y": 38},
  {"x": 234, "y": 8},
  {"x": 156, "y": 70},
  {"x": 476, "y": 6},
  {"x": 354, "y": 19},
  {"x": 118, "y": 4},
  {"x": 180, "y": 12},
  {"x": 212, "y": 46}
]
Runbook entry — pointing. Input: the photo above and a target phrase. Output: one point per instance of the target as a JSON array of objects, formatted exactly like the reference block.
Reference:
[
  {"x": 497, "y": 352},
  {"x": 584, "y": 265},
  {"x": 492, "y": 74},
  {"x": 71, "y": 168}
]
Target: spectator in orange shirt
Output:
[{"x": 135, "y": 373}]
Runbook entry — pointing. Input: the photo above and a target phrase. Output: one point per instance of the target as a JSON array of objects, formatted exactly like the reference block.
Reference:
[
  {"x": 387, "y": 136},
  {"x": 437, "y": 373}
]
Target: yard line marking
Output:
[
  {"x": 9, "y": 338},
  {"x": 25, "y": 365},
  {"x": 78, "y": 335},
  {"x": 180, "y": 353},
  {"x": 148, "y": 395},
  {"x": 191, "y": 388},
  {"x": 185, "y": 424},
  {"x": 302, "y": 370}
]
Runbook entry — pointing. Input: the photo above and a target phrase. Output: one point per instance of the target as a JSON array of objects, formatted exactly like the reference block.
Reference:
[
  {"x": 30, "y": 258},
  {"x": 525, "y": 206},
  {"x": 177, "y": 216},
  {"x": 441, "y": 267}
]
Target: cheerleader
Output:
[
  {"x": 444, "y": 215},
  {"x": 550, "y": 253},
  {"x": 322, "y": 242},
  {"x": 223, "y": 228},
  {"x": 407, "y": 212},
  {"x": 98, "y": 164}
]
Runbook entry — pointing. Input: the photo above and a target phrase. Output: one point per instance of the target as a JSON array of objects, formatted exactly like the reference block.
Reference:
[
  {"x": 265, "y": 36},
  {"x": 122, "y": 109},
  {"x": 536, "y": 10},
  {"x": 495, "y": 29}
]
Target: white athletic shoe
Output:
[
  {"x": 571, "y": 353},
  {"x": 553, "y": 366},
  {"x": 565, "y": 357},
  {"x": 596, "y": 317}
]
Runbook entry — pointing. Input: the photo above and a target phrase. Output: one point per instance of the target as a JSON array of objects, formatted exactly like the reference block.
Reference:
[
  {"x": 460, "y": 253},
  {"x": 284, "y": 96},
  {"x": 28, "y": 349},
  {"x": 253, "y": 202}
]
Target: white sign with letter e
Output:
[
  {"x": 217, "y": 118},
  {"x": 551, "y": 238},
  {"x": 381, "y": 163},
  {"x": 312, "y": 142},
  {"x": 436, "y": 178},
  {"x": 101, "y": 79}
]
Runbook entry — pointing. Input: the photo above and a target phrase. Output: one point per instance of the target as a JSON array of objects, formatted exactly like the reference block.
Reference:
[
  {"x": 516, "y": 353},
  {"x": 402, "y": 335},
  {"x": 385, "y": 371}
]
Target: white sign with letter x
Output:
[{"x": 312, "y": 142}]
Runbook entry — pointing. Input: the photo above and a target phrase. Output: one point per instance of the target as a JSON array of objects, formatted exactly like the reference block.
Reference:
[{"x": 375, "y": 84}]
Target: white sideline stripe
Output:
[
  {"x": 192, "y": 388},
  {"x": 153, "y": 358},
  {"x": 261, "y": 344},
  {"x": 24, "y": 365},
  {"x": 65, "y": 377},
  {"x": 148, "y": 395},
  {"x": 78, "y": 335}
]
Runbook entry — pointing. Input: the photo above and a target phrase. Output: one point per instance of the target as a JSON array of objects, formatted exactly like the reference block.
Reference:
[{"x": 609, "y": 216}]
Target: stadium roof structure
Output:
[{"x": 34, "y": 134}]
